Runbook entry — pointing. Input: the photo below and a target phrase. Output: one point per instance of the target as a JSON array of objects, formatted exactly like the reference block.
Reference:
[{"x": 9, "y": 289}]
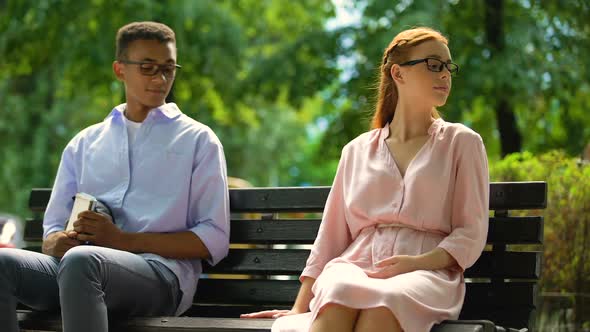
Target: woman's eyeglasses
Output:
[
  {"x": 152, "y": 69},
  {"x": 435, "y": 65}
]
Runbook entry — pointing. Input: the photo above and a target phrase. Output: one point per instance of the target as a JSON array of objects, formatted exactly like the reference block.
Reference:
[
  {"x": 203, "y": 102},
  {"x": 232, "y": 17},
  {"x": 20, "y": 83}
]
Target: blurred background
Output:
[{"x": 285, "y": 84}]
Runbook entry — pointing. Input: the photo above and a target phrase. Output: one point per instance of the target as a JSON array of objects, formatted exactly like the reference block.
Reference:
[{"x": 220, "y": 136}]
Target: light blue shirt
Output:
[{"x": 173, "y": 178}]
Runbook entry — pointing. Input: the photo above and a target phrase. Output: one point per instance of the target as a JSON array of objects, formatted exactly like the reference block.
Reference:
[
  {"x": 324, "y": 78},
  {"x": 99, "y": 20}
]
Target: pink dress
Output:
[{"x": 373, "y": 213}]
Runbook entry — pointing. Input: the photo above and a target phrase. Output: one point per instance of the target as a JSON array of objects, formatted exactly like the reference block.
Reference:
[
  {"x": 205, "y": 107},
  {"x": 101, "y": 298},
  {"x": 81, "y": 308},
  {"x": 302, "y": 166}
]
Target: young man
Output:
[{"x": 163, "y": 176}]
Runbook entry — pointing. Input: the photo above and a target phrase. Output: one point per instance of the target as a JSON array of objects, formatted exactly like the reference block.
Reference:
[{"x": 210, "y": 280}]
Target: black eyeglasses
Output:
[
  {"x": 435, "y": 65},
  {"x": 152, "y": 69}
]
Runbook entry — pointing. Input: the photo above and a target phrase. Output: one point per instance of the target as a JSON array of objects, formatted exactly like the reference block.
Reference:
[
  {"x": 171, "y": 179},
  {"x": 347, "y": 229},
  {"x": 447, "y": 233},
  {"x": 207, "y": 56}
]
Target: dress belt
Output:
[{"x": 389, "y": 225}]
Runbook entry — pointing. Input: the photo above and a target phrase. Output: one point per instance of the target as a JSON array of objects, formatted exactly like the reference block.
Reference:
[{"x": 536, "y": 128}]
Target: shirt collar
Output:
[
  {"x": 169, "y": 110},
  {"x": 435, "y": 129}
]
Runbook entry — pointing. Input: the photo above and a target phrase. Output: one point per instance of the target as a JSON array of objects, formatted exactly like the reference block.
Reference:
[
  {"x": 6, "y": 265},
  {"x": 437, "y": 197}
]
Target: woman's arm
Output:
[
  {"x": 304, "y": 296},
  {"x": 435, "y": 259},
  {"x": 470, "y": 203}
]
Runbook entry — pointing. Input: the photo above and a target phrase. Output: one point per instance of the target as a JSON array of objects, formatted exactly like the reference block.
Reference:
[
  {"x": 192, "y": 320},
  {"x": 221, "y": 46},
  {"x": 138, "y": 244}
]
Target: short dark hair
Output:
[{"x": 142, "y": 31}]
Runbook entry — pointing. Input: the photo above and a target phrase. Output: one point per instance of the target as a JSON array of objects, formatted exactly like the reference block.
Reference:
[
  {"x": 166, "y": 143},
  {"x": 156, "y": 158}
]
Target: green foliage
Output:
[
  {"x": 542, "y": 70},
  {"x": 566, "y": 265},
  {"x": 266, "y": 76},
  {"x": 250, "y": 71}
]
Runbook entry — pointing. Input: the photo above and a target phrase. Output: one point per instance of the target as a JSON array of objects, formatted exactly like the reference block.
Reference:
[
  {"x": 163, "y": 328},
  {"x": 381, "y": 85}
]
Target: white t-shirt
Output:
[{"x": 132, "y": 129}]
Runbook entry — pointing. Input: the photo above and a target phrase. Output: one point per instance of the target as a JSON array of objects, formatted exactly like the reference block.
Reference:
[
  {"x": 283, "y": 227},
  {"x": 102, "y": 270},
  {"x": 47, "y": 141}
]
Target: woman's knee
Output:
[
  {"x": 379, "y": 313},
  {"x": 340, "y": 309},
  {"x": 335, "y": 317},
  {"x": 377, "y": 319},
  {"x": 341, "y": 289}
]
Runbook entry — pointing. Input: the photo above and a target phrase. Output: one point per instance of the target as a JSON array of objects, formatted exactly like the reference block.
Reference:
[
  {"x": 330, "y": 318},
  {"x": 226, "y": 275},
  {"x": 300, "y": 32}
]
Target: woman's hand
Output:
[
  {"x": 395, "y": 265},
  {"x": 270, "y": 314}
]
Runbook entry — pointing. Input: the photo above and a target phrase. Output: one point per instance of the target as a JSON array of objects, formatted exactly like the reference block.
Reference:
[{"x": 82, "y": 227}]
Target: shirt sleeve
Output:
[
  {"x": 470, "y": 210},
  {"x": 209, "y": 216},
  {"x": 64, "y": 188},
  {"x": 334, "y": 235}
]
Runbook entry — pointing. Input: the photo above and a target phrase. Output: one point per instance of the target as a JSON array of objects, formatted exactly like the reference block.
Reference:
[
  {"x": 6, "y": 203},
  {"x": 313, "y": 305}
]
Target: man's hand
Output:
[
  {"x": 56, "y": 244},
  {"x": 98, "y": 229}
]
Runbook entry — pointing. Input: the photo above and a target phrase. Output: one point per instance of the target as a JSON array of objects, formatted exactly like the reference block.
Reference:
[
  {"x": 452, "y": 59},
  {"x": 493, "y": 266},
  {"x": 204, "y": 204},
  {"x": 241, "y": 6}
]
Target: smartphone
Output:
[{"x": 82, "y": 202}]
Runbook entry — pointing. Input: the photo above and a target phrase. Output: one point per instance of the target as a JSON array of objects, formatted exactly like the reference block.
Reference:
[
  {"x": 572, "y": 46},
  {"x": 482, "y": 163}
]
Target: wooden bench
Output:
[{"x": 271, "y": 233}]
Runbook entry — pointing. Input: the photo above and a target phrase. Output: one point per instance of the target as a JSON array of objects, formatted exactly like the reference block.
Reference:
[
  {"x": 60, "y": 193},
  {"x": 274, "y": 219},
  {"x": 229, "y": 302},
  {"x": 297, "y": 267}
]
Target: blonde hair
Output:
[{"x": 396, "y": 53}]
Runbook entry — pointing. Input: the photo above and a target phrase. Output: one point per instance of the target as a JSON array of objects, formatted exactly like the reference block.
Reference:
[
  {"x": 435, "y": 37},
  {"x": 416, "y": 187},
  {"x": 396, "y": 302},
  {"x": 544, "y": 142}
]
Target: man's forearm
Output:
[
  {"x": 182, "y": 245},
  {"x": 49, "y": 243}
]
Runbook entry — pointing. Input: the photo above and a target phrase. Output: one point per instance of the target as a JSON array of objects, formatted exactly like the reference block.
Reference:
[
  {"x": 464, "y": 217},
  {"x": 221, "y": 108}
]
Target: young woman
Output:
[{"x": 408, "y": 210}]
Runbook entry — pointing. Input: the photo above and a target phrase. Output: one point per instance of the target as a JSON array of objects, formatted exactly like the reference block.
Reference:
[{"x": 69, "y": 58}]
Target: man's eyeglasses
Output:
[
  {"x": 152, "y": 69},
  {"x": 435, "y": 65}
]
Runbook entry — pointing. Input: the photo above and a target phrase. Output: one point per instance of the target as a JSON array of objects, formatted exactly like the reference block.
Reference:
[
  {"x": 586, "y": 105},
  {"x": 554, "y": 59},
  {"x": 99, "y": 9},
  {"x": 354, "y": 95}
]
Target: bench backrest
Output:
[{"x": 272, "y": 230}]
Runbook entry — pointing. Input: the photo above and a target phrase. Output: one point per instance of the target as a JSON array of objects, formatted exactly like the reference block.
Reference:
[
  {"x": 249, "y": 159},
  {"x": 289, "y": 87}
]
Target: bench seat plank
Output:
[{"x": 32, "y": 321}]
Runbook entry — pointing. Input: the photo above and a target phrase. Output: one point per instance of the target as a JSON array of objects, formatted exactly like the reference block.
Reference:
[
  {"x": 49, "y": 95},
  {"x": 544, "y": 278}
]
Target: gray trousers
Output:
[{"x": 87, "y": 283}]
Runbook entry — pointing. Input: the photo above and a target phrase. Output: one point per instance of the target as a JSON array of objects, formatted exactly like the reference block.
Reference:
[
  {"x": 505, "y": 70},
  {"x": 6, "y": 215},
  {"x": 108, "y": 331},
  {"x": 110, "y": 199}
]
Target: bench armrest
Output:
[{"x": 465, "y": 326}]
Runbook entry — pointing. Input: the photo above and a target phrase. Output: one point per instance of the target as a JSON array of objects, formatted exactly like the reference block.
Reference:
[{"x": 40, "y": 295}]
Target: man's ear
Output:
[
  {"x": 119, "y": 71},
  {"x": 396, "y": 73}
]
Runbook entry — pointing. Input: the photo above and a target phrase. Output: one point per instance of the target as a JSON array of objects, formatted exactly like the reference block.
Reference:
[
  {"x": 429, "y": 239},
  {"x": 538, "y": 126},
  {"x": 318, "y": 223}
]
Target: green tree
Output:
[
  {"x": 249, "y": 69},
  {"x": 521, "y": 61}
]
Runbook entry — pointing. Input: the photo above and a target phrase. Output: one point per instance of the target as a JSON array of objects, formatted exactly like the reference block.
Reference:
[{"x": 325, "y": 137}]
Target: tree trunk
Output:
[{"x": 510, "y": 139}]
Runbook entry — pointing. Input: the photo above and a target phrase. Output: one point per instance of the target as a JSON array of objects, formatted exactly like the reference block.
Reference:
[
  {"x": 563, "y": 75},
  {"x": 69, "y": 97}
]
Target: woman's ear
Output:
[
  {"x": 119, "y": 71},
  {"x": 396, "y": 73}
]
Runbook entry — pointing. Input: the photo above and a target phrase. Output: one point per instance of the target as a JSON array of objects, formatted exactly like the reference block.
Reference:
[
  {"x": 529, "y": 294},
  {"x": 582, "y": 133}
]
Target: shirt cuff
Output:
[
  {"x": 216, "y": 241},
  {"x": 311, "y": 272},
  {"x": 456, "y": 254},
  {"x": 51, "y": 229}
]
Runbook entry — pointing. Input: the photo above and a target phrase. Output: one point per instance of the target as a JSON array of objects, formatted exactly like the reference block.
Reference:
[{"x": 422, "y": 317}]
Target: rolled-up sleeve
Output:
[
  {"x": 209, "y": 216},
  {"x": 334, "y": 235},
  {"x": 470, "y": 207},
  {"x": 64, "y": 188}
]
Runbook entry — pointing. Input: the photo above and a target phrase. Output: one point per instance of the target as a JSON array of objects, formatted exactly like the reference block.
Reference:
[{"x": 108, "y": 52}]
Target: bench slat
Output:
[
  {"x": 507, "y": 265},
  {"x": 36, "y": 321},
  {"x": 513, "y": 265},
  {"x": 33, "y": 230},
  {"x": 283, "y": 292},
  {"x": 504, "y": 230},
  {"x": 288, "y": 231},
  {"x": 183, "y": 324},
  {"x": 516, "y": 230},
  {"x": 33, "y": 321},
  {"x": 518, "y": 195},
  {"x": 503, "y": 196}
]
